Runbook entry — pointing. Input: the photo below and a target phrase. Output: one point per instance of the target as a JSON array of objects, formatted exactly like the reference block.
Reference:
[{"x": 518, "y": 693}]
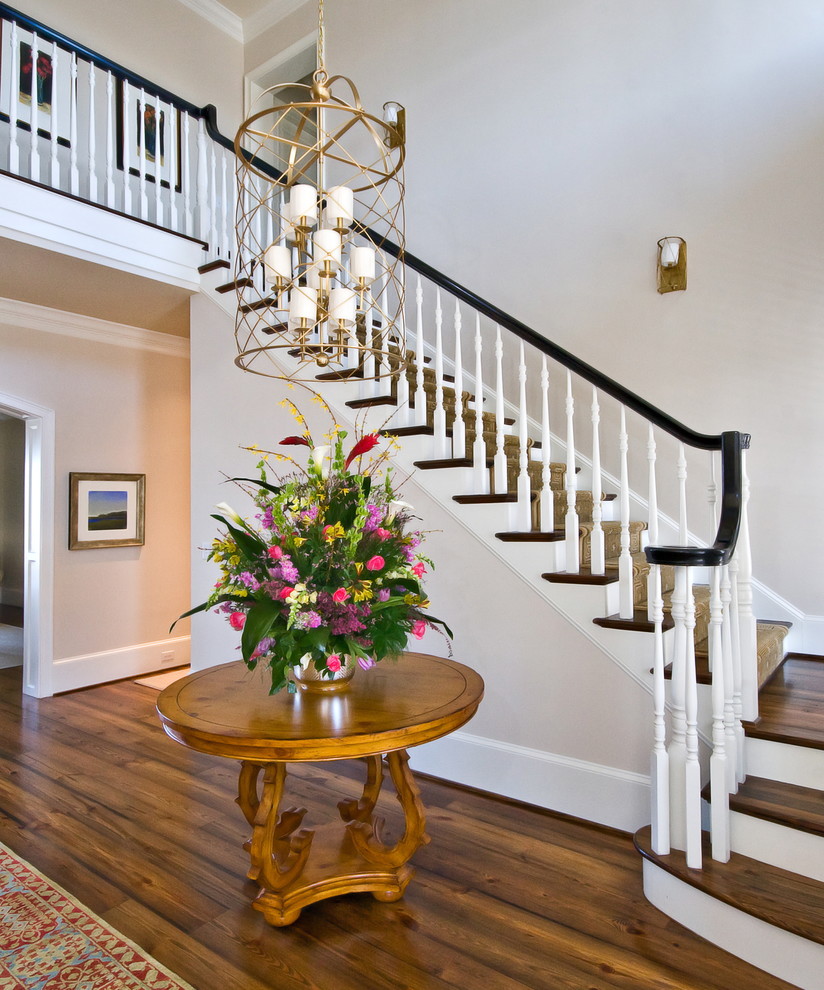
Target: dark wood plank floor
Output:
[
  {"x": 146, "y": 834},
  {"x": 789, "y": 704}
]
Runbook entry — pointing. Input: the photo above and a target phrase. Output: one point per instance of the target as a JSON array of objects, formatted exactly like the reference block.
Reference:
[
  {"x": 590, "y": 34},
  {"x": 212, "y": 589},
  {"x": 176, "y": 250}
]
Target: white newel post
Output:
[
  {"x": 597, "y": 550},
  {"x": 522, "y": 521},
  {"x": 202, "y": 194},
  {"x": 480, "y": 473},
  {"x": 719, "y": 791},
  {"x": 746, "y": 616},
  {"x": 440, "y": 446},
  {"x": 420, "y": 391},
  {"x": 14, "y": 63},
  {"x": 571, "y": 535},
  {"x": 678, "y": 722},
  {"x": 652, "y": 524},
  {"x": 626, "y": 591},
  {"x": 499, "y": 463},
  {"x": 692, "y": 773},
  {"x": 730, "y": 726},
  {"x": 92, "y": 136},
  {"x": 458, "y": 427},
  {"x": 659, "y": 775},
  {"x": 547, "y": 506},
  {"x": 213, "y": 241}
]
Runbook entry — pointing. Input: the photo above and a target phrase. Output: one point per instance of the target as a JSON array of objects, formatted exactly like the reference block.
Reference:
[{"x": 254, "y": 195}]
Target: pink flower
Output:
[
  {"x": 237, "y": 620},
  {"x": 341, "y": 594},
  {"x": 285, "y": 592},
  {"x": 333, "y": 663},
  {"x": 418, "y": 628},
  {"x": 275, "y": 553},
  {"x": 384, "y": 534},
  {"x": 418, "y": 569},
  {"x": 375, "y": 563}
]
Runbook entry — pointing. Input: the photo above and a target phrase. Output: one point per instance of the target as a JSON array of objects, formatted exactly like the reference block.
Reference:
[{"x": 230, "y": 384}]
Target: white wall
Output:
[
  {"x": 162, "y": 40},
  {"x": 12, "y": 462},
  {"x": 118, "y": 409},
  {"x": 551, "y": 144}
]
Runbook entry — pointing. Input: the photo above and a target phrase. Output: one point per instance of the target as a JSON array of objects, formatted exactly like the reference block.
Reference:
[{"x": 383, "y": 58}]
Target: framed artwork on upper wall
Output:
[
  {"x": 106, "y": 510},
  {"x": 45, "y": 82},
  {"x": 148, "y": 135}
]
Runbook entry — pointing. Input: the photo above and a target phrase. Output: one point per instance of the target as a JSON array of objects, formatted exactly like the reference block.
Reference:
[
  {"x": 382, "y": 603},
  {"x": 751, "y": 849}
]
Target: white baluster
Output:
[
  {"x": 420, "y": 391},
  {"x": 174, "y": 123},
  {"x": 143, "y": 196},
  {"x": 573, "y": 555},
  {"x": 480, "y": 483},
  {"x": 127, "y": 144},
  {"x": 14, "y": 63},
  {"x": 659, "y": 776},
  {"x": 213, "y": 241},
  {"x": 110, "y": 197},
  {"x": 74, "y": 171},
  {"x": 92, "y": 135},
  {"x": 730, "y": 726},
  {"x": 458, "y": 428},
  {"x": 719, "y": 791},
  {"x": 499, "y": 464},
  {"x": 204, "y": 220},
  {"x": 737, "y": 678},
  {"x": 367, "y": 385},
  {"x": 34, "y": 147},
  {"x": 522, "y": 517},
  {"x": 652, "y": 524},
  {"x": 597, "y": 552},
  {"x": 440, "y": 446},
  {"x": 692, "y": 770},
  {"x": 678, "y": 722},
  {"x": 160, "y": 143},
  {"x": 57, "y": 96},
  {"x": 186, "y": 179},
  {"x": 626, "y": 608},
  {"x": 403, "y": 417},
  {"x": 746, "y": 616},
  {"x": 547, "y": 494}
]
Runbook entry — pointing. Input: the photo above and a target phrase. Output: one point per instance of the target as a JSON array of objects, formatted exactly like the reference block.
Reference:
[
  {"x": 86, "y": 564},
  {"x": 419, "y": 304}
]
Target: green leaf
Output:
[
  {"x": 259, "y": 621},
  {"x": 248, "y": 544},
  {"x": 204, "y": 606},
  {"x": 275, "y": 489}
]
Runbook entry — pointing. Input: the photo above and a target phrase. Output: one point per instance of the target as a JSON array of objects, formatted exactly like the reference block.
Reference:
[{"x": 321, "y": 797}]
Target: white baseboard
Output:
[
  {"x": 607, "y": 795},
  {"x": 72, "y": 673},
  {"x": 787, "y": 956}
]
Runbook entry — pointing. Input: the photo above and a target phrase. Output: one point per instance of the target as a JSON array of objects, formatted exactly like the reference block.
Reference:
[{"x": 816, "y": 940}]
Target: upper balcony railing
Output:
[{"x": 73, "y": 121}]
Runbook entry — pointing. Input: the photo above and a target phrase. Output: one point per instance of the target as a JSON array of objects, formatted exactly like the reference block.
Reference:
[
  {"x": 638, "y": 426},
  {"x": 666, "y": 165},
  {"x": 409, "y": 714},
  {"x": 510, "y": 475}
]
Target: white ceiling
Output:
[
  {"x": 243, "y": 19},
  {"x": 245, "y": 8}
]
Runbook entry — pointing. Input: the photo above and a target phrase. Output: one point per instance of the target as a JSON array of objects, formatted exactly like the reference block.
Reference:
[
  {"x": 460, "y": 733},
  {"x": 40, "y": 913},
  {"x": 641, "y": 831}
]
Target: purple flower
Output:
[
  {"x": 288, "y": 571},
  {"x": 266, "y": 520},
  {"x": 310, "y": 514},
  {"x": 366, "y": 662},
  {"x": 249, "y": 580},
  {"x": 384, "y": 595},
  {"x": 374, "y": 517},
  {"x": 409, "y": 554},
  {"x": 307, "y": 620}
]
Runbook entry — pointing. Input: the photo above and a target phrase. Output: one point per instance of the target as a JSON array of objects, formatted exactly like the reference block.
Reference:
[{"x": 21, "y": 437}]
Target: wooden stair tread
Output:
[
  {"x": 409, "y": 431},
  {"x": 791, "y": 704},
  {"x": 375, "y": 400},
  {"x": 212, "y": 266},
  {"x": 786, "y": 804},
  {"x": 344, "y": 374},
  {"x": 258, "y": 304},
  {"x": 638, "y": 623},
  {"x": 239, "y": 283},
  {"x": 584, "y": 576},
  {"x": 444, "y": 462},
  {"x": 785, "y": 900},
  {"x": 531, "y": 536},
  {"x": 491, "y": 499}
]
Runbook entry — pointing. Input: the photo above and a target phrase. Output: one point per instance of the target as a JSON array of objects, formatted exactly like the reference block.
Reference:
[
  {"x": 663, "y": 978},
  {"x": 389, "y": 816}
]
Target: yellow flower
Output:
[
  {"x": 362, "y": 591},
  {"x": 335, "y": 532},
  {"x": 299, "y": 541}
]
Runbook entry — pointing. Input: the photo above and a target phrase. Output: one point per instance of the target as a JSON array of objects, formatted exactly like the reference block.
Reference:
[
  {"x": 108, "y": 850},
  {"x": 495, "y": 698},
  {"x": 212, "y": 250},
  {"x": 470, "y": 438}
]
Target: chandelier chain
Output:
[{"x": 321, "y": 41}]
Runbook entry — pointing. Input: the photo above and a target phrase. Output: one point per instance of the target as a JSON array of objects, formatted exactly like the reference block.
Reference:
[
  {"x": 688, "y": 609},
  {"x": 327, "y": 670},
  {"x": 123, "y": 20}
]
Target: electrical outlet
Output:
[{"x": 167, "y": 656}]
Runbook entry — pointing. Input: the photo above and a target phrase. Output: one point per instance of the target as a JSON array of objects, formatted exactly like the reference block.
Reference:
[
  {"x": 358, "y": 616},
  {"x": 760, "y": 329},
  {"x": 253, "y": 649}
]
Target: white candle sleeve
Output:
[
  {"x": 327, "y": 247},
  {"x": 362, "y": 263},
  {"x": 340, "y": 206},
  {"x": 277, "y": 262},
  {"x": 303, "y": 305},
  {"x": 303, "y": 202},
  {"x": 342, "y": 305}
]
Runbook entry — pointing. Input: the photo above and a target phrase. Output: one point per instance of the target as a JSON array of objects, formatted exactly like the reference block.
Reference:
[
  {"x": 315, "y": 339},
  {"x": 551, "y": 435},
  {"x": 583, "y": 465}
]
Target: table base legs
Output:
[{"x": 295, "y": 866}]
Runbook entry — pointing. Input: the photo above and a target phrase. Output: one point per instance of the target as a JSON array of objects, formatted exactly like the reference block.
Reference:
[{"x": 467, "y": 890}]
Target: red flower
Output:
[
  {"x": 375, "y": 563},
  {"x": 363, "y": 446},
  {"x": 295, "y": 442},
  {"x": 418, "y": 569},
  {"x": 237, "y": 620},
  {"x": 419, "y": 628},
  {"x": 340, "y": 595}
]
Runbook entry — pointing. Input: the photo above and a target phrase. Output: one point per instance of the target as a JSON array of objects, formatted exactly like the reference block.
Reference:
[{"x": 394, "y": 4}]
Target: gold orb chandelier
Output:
[{"x": 320, "y": 192}]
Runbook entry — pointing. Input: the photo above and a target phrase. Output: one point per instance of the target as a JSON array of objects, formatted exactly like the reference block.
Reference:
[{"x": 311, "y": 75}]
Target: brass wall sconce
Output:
[{"x": 672, "y": 264}]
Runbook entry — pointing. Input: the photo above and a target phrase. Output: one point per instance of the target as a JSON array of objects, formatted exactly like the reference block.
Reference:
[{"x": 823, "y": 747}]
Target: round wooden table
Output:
[{"x": 226, "y": 711}]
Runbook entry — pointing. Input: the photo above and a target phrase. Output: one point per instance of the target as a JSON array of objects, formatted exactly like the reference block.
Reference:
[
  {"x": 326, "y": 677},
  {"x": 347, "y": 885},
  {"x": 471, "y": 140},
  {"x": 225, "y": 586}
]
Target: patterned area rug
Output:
[{"x": 48, "y": 941}]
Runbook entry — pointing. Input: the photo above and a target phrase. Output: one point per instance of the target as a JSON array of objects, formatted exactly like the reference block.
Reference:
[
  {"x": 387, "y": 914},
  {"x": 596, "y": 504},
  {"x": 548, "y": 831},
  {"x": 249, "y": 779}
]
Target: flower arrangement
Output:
[{"x": 332, "y": 570}]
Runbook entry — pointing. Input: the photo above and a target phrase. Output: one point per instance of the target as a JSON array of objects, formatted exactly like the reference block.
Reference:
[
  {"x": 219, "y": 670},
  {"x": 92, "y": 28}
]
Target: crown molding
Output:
[
  {"x": 214, "y": 12},
  {"x": 268, "y": 16},
  {"x": 15, "y": 313}
]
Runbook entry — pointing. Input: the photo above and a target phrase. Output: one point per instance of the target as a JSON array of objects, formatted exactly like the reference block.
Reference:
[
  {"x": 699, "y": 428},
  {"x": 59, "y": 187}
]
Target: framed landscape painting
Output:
[{"x": 106, "y": 510}]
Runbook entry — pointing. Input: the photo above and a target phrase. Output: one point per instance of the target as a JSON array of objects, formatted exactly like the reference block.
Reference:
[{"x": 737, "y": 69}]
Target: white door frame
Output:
[{"x": 38, "y": 582}]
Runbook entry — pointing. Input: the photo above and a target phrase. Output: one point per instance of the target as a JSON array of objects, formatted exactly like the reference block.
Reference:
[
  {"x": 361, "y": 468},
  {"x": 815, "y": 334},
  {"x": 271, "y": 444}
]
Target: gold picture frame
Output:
[{"x": 106, "y": 510}]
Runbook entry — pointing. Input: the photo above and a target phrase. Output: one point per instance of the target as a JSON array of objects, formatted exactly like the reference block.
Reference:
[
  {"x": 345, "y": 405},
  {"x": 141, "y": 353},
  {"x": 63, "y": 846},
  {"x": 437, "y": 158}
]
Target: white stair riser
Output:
[
  {"x": 782, "y": 761},
  {"x": 779, "y": 845},
  {"x": 785, "y": 955}
]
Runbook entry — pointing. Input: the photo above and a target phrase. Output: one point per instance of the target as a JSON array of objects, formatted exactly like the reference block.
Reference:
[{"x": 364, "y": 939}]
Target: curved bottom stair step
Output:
[{"x": 771, "y": 917}]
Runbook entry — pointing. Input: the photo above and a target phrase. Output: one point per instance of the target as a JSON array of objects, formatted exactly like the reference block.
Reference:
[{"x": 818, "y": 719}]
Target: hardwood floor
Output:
[{"x": 146, "y": 834}]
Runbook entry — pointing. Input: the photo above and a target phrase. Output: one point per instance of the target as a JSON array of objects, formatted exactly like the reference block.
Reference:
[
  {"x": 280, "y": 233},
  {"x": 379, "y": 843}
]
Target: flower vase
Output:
[{"x": 313, "y": 681}]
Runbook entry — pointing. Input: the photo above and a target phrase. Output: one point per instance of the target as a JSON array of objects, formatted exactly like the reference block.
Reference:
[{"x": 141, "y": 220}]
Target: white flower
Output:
[
  {"x": 229, "y": 513},
  {"x": 319, "y": 456},
  {"x": 395, "y": 507}
]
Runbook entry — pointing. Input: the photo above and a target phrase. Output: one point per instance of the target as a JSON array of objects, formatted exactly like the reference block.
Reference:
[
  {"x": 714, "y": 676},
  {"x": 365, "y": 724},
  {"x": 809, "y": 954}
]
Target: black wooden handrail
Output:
[{"x": 730, "y": 444}]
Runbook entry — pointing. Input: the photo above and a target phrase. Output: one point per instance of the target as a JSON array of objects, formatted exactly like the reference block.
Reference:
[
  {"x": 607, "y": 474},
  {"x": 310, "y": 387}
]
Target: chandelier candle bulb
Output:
[
  {"x": 340, "y": 207},
  {"x": 303, "y": 306},
  {"x": 343, "y": 305},
  {"x": 362, "y": 263},
  {"x": 303, "y": 205},
  {"x": 277, "y": 263}
]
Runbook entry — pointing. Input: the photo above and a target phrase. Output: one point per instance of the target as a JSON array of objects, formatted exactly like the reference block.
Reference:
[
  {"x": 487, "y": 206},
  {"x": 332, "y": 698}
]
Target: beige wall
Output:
[
  {"x": 118, "y": 410},
  {"x": 552, "y": 144},
  {"x": 12, "y": 508},
  {"x": 162, "y": 40}
]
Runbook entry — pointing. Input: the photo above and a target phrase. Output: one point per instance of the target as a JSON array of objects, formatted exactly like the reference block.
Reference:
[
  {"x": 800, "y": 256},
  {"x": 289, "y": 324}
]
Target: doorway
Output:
[{"x": 36, "y": 431}]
